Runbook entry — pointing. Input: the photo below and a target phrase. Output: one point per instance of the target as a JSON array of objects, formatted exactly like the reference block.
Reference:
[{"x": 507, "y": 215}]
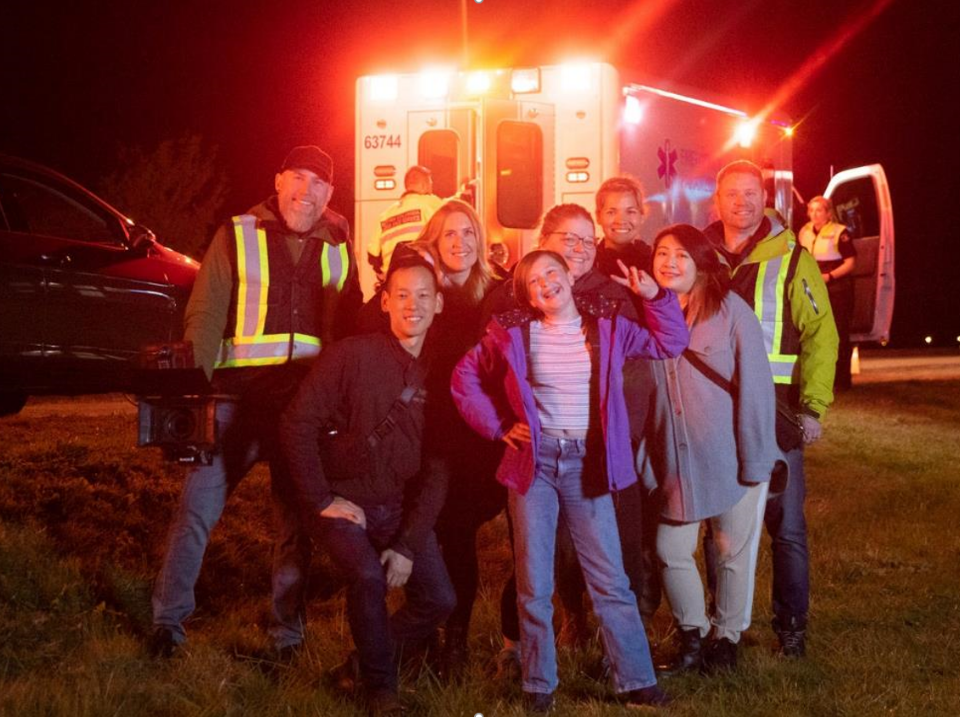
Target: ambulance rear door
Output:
[
  {"x": 445, "y": 141},
  {"x": 861, "y": 198},
  {"x": 517, "y": 178}
]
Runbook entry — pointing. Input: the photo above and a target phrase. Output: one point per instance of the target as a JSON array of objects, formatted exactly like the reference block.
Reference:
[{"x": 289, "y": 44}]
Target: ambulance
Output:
[{"x": 516, "y": 141}]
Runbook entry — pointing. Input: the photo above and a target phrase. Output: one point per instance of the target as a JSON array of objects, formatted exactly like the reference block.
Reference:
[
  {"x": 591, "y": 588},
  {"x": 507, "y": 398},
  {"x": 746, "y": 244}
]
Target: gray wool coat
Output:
[{"x": 704, "y": 443}]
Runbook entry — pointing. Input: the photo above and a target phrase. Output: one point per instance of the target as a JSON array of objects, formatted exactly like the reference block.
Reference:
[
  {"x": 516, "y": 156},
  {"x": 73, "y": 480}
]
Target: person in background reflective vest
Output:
[
  {"x": 831, "y": 245},
  {"x": 782, "y": 284},
  {"x": 403, "y": 221},
  {"x": 276, "y": 285}
]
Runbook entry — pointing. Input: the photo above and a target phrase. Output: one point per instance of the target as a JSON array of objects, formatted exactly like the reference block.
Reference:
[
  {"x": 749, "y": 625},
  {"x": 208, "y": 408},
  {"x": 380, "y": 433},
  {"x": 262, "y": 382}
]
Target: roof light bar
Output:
[
  {"x": 478, "y": 83},
  {"x": 683, "y": 98},
  {"x": 434, "y": 84},
  {"x": 383, "y": 88},
  {"x": 575, "y": 77},
  {"x": 632, "y": 111},
  {"x": 525, "y": 80}
]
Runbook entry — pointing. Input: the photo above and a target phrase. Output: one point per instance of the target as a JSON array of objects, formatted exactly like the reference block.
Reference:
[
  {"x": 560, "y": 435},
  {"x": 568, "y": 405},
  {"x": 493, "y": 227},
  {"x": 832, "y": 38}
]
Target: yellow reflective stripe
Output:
[
  {"x": 267, "y": 350},
  {"x": 779, "y": 291},
  {"x": 344, "y": 266},
  {"x": 251, "y": 241},
  {"x": 768, "y": 305},
  {"x": 758, "y": 303},
  {"x": 326, "y": 272},
  {"x": 264, "y": 280},
  {"x": 241, "y": 274},
  {"x": 324, "y": 263},
  {"x": 782, "y": 367},
  {"x": 240, "y": 363},
  {"x": 305, "y": 339}
]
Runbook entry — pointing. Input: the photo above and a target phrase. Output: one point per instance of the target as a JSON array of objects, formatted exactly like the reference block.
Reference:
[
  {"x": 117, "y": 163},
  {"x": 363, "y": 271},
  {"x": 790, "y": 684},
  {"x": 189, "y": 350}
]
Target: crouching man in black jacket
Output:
[{"x": 352, "y": 439}]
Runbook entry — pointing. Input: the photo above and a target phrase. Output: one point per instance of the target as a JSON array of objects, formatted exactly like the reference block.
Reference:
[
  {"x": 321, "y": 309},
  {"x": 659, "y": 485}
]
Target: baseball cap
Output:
[{"x": 312, "y": 158}]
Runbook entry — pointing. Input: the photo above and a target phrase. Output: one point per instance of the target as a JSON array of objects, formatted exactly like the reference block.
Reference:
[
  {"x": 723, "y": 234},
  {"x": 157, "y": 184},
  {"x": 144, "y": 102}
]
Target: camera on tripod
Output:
[{"x": 176, "y": 406}]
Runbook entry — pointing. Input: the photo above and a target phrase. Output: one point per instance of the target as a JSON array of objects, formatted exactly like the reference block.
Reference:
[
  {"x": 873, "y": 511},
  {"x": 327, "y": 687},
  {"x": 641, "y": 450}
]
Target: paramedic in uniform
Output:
[
  {"x": 783, "y": 286},
  {"x": 831, "y": 245},
  {"x": 275, "y": 286},
  {"x": 403, "y": 221}
]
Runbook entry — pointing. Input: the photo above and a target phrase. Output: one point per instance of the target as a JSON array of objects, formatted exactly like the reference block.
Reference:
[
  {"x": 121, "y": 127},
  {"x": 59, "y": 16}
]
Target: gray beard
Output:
[{"x": 300, "y": 225}]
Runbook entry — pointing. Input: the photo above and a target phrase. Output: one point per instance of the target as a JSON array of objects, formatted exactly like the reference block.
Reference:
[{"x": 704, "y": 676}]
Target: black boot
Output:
[
  {"x": 689, "y": 656},
  {"x": 719, "y": 656},
  {"x": 792, "y": 634},
  {"x": 455, "y": 655}
]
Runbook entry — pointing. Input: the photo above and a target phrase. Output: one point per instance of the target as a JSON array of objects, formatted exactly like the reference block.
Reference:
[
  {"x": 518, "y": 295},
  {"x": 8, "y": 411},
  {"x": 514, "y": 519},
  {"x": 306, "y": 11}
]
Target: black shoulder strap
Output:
[
  {"x": 409, "y": 394},
  {"x": 783, "y": 408},
  {"x": 701, "y": 366}
]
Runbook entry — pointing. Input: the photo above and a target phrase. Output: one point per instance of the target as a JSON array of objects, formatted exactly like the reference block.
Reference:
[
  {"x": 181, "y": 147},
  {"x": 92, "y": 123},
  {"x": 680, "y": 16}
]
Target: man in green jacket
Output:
[{"x": 782, "y": 283}]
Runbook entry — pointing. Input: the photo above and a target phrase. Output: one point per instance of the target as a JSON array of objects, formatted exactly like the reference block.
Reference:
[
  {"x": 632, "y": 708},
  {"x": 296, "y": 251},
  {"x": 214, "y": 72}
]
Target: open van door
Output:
[{"x": 861, "y": 198}]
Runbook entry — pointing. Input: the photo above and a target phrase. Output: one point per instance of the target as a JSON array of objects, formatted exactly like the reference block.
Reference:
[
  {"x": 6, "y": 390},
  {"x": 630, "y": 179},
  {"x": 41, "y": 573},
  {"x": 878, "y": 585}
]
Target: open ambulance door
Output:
[{"x": 861, "y": 198}]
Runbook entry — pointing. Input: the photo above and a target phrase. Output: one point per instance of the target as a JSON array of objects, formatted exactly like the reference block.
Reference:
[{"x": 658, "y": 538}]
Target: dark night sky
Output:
[{"x": 255, "y": 78}]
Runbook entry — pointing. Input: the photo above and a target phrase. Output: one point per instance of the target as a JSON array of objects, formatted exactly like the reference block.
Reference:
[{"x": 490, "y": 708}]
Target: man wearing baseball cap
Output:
[{"x": 276, "y": 286}]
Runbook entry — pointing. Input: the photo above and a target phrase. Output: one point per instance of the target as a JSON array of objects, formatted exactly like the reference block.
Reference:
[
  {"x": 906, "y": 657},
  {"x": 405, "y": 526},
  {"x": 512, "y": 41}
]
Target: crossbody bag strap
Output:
[
  {"x": 711, "y": 373},
  {"x": 397, "y": 409},
  {"x": 783, "y": 409}
]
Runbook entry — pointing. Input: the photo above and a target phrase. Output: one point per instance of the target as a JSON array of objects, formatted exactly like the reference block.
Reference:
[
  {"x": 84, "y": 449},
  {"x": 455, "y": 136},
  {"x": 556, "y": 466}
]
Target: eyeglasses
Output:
[{"x": 570, "y": 240}]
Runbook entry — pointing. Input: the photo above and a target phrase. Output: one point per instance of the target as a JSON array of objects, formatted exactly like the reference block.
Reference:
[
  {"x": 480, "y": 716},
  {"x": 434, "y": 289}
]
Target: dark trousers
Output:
[
  {"x": 787, "y": 527},
  {"x": 463, "y": 514},
  {"x": 841, "y": 302},
  {"x": 381, "y": 638}
]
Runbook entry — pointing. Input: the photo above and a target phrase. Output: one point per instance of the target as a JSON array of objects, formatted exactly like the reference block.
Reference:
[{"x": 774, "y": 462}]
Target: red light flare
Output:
[
  {"x": 822, "y": 55},
  {"x": 559, "y": 36},
  {"x": 633, "y": 22}
]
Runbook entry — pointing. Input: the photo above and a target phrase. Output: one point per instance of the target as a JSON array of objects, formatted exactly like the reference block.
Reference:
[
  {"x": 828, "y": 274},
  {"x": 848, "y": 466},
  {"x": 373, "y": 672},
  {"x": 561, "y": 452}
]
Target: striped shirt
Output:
[{"x": 560, "y": 374}]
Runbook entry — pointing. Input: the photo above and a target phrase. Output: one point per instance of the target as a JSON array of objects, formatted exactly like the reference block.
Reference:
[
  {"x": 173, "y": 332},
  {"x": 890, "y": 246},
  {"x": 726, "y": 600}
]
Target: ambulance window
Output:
[
  {"x": 519, "y": 174},
  {"x": 438, "y": 150},
  {"x": 856, "y": 205}
]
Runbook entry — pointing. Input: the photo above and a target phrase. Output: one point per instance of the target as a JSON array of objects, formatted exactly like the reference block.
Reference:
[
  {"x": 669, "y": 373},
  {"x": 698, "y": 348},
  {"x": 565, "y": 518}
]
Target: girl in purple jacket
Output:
[{"x": 546, "y": 379}]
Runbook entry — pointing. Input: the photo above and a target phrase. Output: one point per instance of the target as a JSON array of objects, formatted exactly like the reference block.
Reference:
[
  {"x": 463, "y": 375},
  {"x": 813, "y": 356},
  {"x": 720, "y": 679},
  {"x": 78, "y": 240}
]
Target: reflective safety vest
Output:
[
  {"x": 277, "y": 308},
  {"x": 401, "y": 223},
  {"x": 825, "y": 245},
  {"x": 764, "y": 285}
]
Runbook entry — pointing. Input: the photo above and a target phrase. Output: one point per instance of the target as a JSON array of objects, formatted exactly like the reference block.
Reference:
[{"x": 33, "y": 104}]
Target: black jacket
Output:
[{"x": 352, "y": 386}]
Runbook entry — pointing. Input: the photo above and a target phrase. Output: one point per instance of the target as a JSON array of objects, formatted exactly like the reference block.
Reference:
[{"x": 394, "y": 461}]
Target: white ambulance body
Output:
[{"x": 517, "y": 141}]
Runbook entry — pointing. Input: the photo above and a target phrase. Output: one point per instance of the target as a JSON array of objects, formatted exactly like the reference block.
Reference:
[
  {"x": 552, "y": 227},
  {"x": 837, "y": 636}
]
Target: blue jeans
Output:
[
  {"x": 787, "y": 527},
  {"x": 245, "y": 438},
  {"x": 558, "y": 487},
  {"x": 380, "y": 638}
]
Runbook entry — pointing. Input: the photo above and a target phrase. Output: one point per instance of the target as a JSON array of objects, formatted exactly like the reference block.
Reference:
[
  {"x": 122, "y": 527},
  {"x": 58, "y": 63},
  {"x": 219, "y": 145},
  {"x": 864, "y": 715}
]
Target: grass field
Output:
[{"x": 83, "y": 516}]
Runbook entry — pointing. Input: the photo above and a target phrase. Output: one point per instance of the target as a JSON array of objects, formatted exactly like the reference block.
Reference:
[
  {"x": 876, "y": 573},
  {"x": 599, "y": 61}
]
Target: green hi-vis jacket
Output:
[{"x": 782, "y": 284}]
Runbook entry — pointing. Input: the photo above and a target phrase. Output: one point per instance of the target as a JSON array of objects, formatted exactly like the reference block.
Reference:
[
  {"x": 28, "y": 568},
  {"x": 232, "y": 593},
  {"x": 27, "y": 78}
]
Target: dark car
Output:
[{"x": 82, "y": 288}]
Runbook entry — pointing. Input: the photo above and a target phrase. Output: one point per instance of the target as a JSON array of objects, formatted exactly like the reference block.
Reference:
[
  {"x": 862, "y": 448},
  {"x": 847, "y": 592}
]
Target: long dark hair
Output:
[{"x": 713, "y": 279}]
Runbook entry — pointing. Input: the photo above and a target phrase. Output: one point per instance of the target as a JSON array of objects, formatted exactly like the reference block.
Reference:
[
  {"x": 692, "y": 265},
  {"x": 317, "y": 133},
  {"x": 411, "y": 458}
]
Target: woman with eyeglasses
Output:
[
  {"x": 568, "y": 230},
  {"x": 546, "y": 380}
]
